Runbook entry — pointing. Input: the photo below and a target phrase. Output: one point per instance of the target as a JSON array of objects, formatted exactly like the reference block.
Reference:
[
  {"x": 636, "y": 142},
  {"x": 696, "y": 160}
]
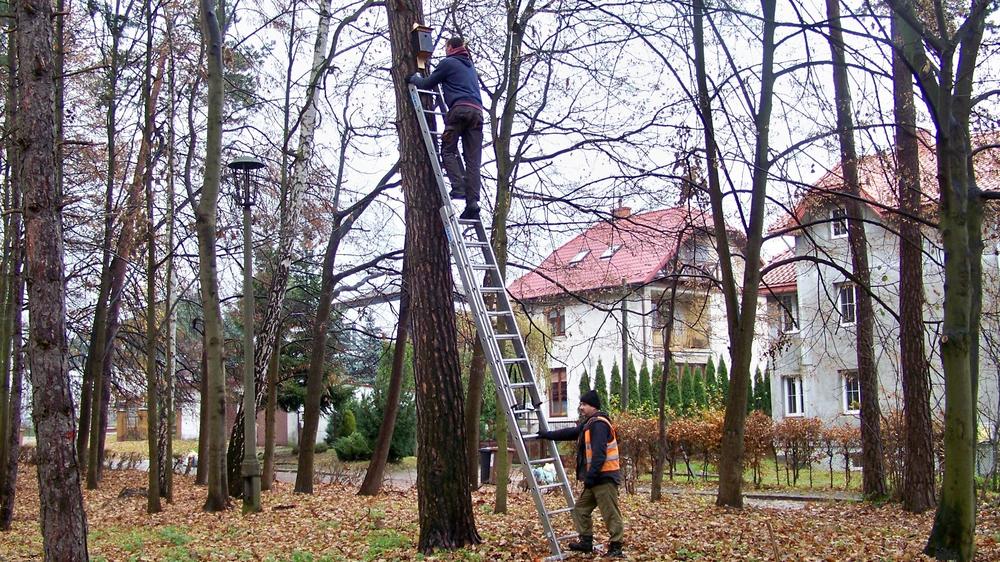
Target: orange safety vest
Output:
[{"x": 611, "y": 463}]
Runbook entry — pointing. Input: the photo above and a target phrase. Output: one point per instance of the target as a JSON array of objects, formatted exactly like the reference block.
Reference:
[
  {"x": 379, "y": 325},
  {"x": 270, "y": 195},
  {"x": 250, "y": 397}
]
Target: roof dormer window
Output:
[
  {"x": 838, "y": 223},
  {"x": 579, "y": 256},
  {"x": 610, "y": 251}
]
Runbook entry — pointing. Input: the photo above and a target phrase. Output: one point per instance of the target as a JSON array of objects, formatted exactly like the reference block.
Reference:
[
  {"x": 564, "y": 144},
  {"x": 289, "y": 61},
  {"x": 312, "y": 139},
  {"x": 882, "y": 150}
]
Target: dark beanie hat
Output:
[{"x": 591, "y": 397}]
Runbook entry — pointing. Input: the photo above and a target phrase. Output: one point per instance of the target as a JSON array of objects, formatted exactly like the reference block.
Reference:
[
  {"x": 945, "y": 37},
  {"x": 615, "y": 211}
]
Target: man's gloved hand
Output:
[
  {"x": 544, "y": 434},
  {"x": 413, "y": 77}
]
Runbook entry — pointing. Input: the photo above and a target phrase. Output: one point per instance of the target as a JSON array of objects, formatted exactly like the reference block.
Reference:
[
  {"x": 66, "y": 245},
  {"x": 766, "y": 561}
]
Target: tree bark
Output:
[
  {"x": 873, "y": 472},
  {"x": 270, "y": 414},
  {"x": 205, "y": 220},
  {"x": 443, "y": 478},
  {"x": 372, "y": 484},
  {"x": 918, "y": 466},
  {"x": 63, "y": 524}
]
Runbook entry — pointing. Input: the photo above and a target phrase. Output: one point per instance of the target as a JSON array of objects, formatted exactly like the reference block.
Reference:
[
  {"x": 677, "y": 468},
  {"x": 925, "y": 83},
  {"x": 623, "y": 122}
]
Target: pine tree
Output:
[
  {"x": 657, "y": 378},
  {"x": 698, "y": 390},
  {"x": 601, "y": 384},
  {"x": 711, "y": 383},
  {"x": 645, "y": 394},
  {"x": 616, "y": 383},
  {"x": 584, "y": 383},
  {"x": 687, "y": 391},
  {"x": 722, "y": 373}
]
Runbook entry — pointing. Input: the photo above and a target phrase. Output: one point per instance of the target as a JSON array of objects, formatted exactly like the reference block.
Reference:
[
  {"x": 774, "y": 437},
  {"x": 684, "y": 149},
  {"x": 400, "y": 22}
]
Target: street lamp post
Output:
[{"x": 245, "y": 174}]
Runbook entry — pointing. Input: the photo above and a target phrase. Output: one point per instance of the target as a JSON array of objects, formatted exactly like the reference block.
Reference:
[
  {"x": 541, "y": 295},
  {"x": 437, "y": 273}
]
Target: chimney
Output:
[{"x": 621, "y": 213}]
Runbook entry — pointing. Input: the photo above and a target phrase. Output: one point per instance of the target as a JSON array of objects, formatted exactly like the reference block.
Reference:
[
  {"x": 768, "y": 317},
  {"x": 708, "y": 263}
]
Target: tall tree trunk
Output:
[
  {"x": 201, "y": 472},
  {"x": 94, "y": 365},
  {"x": 873, "y": 473},
  {"x": 380, "y": 454},
  {"x": 918, "y": 464},
  {"x": 443, "y": 478},
  {"x": 170, "y": 312},
  {"x": 63, "y": 524},
  {"x": 205, "y": 220},
  {"x": 270, "y": 416},
  {"x": 8, "y": 480},
  {"x": 741, "y": 303},
  {"x": 656, "y": 490}
]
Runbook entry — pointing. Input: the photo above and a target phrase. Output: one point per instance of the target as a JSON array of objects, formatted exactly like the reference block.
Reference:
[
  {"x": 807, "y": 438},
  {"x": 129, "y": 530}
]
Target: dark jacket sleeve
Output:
[
  {"x": 565, "y": 434},
  {"x": 599, "y": 434},
  {"x": 441, "y": 73}
]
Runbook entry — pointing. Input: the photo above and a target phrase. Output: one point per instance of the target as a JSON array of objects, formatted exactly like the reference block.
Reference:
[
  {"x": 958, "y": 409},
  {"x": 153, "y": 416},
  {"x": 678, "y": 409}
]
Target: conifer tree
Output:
[
  {"x": 698, "y": 390},
  {"x": 722, "y": 373},
  {"x": 601, "y": 384},
  {"x": 766, "y": 406},
  {"x": 635, "y": 397},
  {"x": 645, "y": 394},
  {"x": 687, "y": 391},
  {"x": 616, "y": 383},
  {"x": 711, "y": 384},
  {"x": 673, "y": 390},
  {"x": 584, "y": 382}
]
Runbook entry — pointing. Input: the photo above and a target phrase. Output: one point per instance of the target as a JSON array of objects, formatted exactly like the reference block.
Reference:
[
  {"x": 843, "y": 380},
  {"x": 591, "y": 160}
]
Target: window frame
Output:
[
  {"x": 560, "y": 321},
  {"x": 846, "y": 392},
  {"x": 844, "y": 289},
  {"x": 611, "y": 251},
  {"x": 579, "y": 256},
  {"x": 838, "y": 218},
  {"x": 558, "y": 392},
  {"x": 789, "y": 312},
  {"x": 787, "y": 397}
]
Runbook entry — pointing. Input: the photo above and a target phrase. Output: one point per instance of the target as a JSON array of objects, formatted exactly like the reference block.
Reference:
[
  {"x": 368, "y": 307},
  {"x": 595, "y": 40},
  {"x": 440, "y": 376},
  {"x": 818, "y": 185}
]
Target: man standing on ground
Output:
[
  {"x": 460, "y": 85},
  {"x": 598, "y": 466}
]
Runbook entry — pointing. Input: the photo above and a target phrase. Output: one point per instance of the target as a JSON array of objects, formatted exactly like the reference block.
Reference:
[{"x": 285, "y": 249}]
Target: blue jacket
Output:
[{"x": 458, "y": 80}]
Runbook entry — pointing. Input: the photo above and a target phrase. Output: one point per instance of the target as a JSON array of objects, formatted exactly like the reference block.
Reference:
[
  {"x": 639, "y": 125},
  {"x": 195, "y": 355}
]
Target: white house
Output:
[
  {"x": 580, "y": 289},
  {"x": 812, "y": 307}
]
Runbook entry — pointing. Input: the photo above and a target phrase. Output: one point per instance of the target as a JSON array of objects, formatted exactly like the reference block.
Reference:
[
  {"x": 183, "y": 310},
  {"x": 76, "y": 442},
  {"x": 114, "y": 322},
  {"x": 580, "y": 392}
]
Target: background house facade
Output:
[
  {"x": 616, "y": 279},
  {"x": 812, "y": 312}
]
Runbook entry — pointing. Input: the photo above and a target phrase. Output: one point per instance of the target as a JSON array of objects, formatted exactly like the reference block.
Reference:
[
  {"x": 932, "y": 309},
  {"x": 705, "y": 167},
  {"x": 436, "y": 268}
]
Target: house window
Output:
[
  {"x": 557, "y": 321},
  {"x": 610, "y": 251},
  {"x": 847, "y": 303},
  {"x": 838, "y": 223},
  {"x": 579, "y": 256},
  {"x": 794, "y": 399},
  {"x": 789, "y": 313},
  {"x": 852, "y": 392},
  {"x": 558, "y": 402}
]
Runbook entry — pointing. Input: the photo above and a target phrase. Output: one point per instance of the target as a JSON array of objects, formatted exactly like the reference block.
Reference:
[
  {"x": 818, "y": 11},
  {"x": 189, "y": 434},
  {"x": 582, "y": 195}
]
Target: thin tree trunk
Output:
[
  {"x": 205, "y": 220},
  {"x": 16, "y": 299},
  {"x": 873, "y": 473},
  {"x": 918, "y": 466},
  {"x": 443, "y": 480},
  {"x": 63, "y": 524},
  {"x": 270, "y": 415},
  {"x": 201, "y": 473},
  {"x": 380, "y": 455},
  {"x": 170, "y": 312}
]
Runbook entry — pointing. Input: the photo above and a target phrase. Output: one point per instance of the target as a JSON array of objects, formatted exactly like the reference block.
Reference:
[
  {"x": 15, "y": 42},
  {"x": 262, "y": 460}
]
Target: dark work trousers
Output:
[{"x": 466, "y": 122}]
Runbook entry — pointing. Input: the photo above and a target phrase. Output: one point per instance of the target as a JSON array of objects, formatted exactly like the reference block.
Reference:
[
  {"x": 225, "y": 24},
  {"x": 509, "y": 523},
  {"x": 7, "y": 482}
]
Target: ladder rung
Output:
[
  {"x": 514, "y": 360},
  {"x": 484, "y": 266},
  {"x": 432, "y": 112},
  {"x": 523, "y": 411},
  {"x": 550, "y": 486},
  {"x": 431, "y": 92},
  {"x": 522, "y": 384},
  {"x": 477, "y": 244},
  {"x": 506, "y": 336},
  {"x": 468, "y": 221},
  {"x": 558, "y": 511},
  {"x": 542, "y": 461},
  {"x": 499, "y": 313},
  {"x": 491, "y": 289}
]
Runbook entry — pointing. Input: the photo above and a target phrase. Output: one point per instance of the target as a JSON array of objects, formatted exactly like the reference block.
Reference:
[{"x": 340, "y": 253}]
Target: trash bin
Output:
[{"x": 485, "y": 460}]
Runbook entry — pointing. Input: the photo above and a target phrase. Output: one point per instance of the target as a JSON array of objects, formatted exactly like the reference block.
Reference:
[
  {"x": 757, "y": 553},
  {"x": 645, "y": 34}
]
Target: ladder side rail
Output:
[{"x": 418, "y": 106}]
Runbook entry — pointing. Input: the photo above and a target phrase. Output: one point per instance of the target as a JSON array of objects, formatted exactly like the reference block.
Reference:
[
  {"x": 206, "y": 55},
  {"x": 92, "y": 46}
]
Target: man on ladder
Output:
[
  {"x": 460, "y": 85},
  {"x": 598, "y": 466}
]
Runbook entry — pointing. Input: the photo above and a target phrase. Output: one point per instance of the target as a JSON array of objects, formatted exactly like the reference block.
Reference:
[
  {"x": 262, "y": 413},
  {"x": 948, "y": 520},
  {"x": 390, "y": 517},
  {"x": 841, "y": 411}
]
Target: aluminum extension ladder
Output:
[{"x": 498, "y": 332}]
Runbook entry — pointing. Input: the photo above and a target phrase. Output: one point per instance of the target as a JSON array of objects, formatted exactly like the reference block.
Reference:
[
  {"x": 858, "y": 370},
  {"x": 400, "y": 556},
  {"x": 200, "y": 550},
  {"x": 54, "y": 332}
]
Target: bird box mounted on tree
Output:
[{"x": 423, "y": 44}]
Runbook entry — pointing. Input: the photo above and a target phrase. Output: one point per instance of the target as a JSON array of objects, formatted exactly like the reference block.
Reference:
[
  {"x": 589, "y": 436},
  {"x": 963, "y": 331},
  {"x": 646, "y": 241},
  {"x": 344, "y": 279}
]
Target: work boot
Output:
[
  {"x": 457, "y": 194},
  {"x": 585, "y": 544},
  {"x": 615, "y": 550},
  {"x": 471, "y": 212}
]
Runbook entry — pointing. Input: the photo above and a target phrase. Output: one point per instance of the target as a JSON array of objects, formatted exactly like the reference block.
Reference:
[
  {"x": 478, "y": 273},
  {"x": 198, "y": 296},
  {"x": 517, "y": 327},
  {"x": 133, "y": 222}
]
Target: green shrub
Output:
[
  {"x": 348, "y": 425},
  {"x": 321, "y": 448},
  {"x": 354, "y": 447}
]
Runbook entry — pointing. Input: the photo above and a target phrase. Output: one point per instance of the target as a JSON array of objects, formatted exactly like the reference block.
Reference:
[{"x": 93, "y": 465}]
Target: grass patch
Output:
[
  {"x": 383, "y": 541},
  {"x": 181, "y": 446},
  {"x": 174, "y": 536},
  {"x": 770, "y": 478}
]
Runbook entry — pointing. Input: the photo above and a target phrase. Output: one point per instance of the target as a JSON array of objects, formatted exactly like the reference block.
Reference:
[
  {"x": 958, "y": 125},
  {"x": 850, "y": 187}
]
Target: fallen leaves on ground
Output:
[{"x": 337, "y": 524}]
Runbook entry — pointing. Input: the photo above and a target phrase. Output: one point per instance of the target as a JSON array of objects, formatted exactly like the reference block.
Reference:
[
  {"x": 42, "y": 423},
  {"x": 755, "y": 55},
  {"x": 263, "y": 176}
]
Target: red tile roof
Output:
[
  {"x": 878, "y": 178},
  {"x": 780, "y": 279},
  {"x": 647, "y": 241}
]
